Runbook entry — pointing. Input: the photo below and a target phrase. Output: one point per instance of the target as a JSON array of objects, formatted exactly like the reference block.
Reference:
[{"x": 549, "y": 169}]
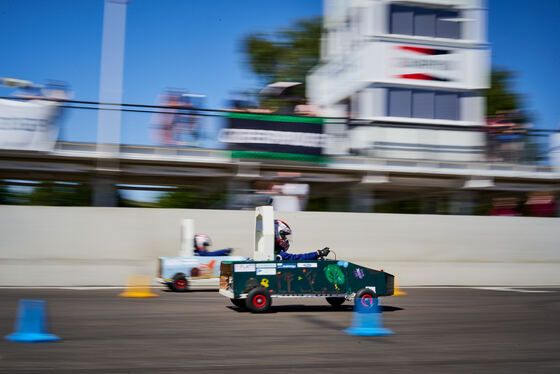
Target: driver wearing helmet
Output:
[
  {"x": 281, "y": 244},
  {"x": 202, "y": 241}
]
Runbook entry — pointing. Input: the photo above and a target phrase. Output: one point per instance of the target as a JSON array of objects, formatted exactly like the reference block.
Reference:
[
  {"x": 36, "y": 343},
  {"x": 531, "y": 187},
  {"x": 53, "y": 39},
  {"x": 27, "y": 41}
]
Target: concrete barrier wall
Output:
[{"x": 76, "y": 246}]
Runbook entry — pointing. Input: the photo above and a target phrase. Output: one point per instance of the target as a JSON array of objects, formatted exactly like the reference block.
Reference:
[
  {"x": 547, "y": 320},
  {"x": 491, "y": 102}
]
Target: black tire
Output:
[
  {"x": 336, "y": 301},
  {"x": 258, "y": 300},
  {"x": 170, "y": 286},
  {"x": 180, "y": 283},
  {"x": 365, "y": 300},
  {"x": 240, "y": 303}
]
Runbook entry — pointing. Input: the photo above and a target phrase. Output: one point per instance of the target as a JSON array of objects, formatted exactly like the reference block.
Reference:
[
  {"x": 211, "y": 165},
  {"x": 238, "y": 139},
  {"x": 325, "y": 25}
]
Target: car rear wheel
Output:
[
  {"x": 365, "y": 300},
  {"x": 180, "y": 283},
  {"x": 336, "y": 301},
  {"x": 258, "y": 300}
]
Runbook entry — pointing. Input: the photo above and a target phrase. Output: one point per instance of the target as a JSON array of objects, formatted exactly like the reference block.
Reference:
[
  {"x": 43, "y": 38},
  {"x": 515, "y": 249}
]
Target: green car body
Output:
[{"x": 320, "y": 278}]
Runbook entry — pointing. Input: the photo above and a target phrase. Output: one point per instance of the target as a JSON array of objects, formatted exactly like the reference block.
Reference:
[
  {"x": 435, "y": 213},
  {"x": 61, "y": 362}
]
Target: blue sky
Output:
[
  {"x": 186, "y": 44},
  {"x": 195, "y": 45},
  {"x": 525, "y": 37}
]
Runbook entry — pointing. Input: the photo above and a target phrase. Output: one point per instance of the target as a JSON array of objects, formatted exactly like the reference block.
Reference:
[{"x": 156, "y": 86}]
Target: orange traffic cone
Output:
[
  {"x": 138, "y": 286},
  {"x": 398, "y": 291}
]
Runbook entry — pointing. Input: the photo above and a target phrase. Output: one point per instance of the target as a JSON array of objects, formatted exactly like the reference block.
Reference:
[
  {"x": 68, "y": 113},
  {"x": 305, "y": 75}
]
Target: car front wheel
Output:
[
  {"x": 180, "y": 283},
  {"x": 258, "y": 300},
  {"x": 365, "y": 300}
]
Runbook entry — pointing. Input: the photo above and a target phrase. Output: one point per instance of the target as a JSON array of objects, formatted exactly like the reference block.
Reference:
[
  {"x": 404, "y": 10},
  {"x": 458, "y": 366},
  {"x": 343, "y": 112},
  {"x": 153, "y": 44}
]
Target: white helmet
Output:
[
  {"x": 281, "y": 232},
  {"x": 201, "y": 241}
]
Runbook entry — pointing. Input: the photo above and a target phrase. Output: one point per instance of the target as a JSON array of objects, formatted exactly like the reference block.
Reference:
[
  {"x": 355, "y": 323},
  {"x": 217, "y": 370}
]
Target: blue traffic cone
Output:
[
  {"x": 31, "y": 323},
  {"x": 367, "y": 322}
]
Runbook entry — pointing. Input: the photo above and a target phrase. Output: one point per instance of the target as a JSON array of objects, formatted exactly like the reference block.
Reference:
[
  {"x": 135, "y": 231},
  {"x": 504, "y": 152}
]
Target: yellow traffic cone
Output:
[
  {"x": 138, "y": 286},
  {"x": 398, "y": 291}
]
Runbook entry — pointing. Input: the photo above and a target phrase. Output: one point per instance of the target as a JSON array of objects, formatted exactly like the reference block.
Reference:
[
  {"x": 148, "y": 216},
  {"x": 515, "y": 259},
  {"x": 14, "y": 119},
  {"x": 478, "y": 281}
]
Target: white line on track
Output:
[
  {"x": 492, "y": 288},
  {"x": 509, "y": 289}
]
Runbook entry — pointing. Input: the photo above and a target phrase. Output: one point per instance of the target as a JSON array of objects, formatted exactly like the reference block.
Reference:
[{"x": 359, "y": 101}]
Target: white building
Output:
[{"x": 403, "y": 67}]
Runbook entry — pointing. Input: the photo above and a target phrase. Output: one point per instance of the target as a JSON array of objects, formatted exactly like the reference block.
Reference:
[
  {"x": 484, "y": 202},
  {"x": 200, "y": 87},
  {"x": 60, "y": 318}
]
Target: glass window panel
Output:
[
  {"x": 423, "y": 104},
  {"x": 402, "y": 20},
  {"x": 399, "y": 102},
  {"x": 445, "y": 28},
  {"x": 424, "y": 22},
  {"x": 447, "y": 105}
]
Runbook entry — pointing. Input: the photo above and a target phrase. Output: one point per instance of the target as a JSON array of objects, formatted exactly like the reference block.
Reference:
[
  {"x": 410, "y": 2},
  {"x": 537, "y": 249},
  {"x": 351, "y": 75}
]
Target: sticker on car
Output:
[
  {"x": 307, "y": 265},
  {"x": 266, "y": 271},
  {"x": 286, "y": 266},
  {"x": 244, "y": 268}
]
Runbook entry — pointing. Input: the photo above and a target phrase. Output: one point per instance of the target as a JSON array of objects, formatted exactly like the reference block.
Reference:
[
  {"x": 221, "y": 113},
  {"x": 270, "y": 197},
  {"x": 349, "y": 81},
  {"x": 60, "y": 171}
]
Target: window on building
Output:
[
  {"x": 399, "y": 102},
  {"x": 447, "y": 105},
  {"x": 409, "y": 20},
  {"x": 424, "y": 22},
  {"x": 430, "y": 104},
  {"x": 355, "y": 105},
  {"x": 423, "y": 104},
  {"x": 402, "y": 20},
  {"x": 447, "y": 25}
]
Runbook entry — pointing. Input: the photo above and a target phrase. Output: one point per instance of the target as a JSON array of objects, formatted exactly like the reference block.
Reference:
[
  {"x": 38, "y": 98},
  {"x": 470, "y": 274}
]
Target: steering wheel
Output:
[{"x": 325, "y": 256}]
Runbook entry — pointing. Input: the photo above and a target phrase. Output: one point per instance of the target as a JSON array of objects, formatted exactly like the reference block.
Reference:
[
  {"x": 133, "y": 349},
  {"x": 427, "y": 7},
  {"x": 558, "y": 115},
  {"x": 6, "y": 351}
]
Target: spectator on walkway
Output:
[
  {"x": 174, "y": 125},
  {"x": 305, "y": 109},
  {"x": 506, "y": 136},
  {"x": 504, "y": 206},
  {"x": 541, "y": 204},
  {"x": 165, "y": 121},
  {"x": 240, "y": 102}
]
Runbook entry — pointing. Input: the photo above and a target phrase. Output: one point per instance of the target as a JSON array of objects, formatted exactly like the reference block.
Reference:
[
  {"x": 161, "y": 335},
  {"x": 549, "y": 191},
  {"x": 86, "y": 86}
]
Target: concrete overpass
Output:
[{"x": 358, "y": 177}]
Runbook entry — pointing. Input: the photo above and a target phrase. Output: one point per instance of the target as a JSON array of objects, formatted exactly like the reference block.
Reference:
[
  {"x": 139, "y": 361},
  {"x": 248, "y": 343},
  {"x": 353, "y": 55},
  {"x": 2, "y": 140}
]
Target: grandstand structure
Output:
[{"x": 349, "y": 182}]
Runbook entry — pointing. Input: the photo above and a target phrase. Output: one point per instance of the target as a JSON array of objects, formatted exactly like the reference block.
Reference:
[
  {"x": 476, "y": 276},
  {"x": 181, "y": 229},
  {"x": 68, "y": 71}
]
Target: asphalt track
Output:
[{"x": 436, "y": 331}]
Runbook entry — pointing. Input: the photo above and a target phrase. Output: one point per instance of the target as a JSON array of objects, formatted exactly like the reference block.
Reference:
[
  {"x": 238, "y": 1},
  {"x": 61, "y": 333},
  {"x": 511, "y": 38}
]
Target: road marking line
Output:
[
  {"x": 493, "y": 288},
  {"x": 509, "y": 289}
]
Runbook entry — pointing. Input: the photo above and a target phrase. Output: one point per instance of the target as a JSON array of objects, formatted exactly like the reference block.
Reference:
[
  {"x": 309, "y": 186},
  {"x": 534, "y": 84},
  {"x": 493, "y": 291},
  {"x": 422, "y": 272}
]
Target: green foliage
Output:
[
  {"x": 501, "y": 98},
  {"x": 400, "y": 206},
  {"x": 318, "y": 204},
  {"x": 45, "y": 194},
  {"x": 4, "y": 194},
  {"x": 189, "y": 198},
  {"x": 60, "y": 195},
  {"x": 285, "y": 55}
]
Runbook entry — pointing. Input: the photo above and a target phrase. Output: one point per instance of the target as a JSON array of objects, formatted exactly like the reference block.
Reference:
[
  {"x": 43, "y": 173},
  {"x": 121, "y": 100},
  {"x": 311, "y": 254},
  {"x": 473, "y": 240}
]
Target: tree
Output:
[
  {"x": 286, "y": 54},
  {"x": 505, "y": 104},
  {"x": 500, "y": 97},
  {"x": 189, "y": 198},
  {"x": 60, "y": 195},
  {"x": 4, "y": 194}
]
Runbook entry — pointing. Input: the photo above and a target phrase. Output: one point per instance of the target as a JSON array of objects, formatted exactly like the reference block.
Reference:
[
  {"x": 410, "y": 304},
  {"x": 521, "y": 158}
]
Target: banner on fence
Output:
[
  {"x": 270, "y": 136},
  {"x": 29, "y": 125}
]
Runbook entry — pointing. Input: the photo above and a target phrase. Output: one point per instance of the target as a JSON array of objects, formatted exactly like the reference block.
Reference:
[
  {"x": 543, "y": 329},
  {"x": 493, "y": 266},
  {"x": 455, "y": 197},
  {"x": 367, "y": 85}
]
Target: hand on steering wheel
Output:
[{"x": 323, "y": 252}]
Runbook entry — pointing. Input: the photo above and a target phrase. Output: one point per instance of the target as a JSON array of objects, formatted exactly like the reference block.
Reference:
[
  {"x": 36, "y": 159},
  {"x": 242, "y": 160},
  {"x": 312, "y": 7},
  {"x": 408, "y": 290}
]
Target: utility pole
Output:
[{"x": 110, "y": 90}]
